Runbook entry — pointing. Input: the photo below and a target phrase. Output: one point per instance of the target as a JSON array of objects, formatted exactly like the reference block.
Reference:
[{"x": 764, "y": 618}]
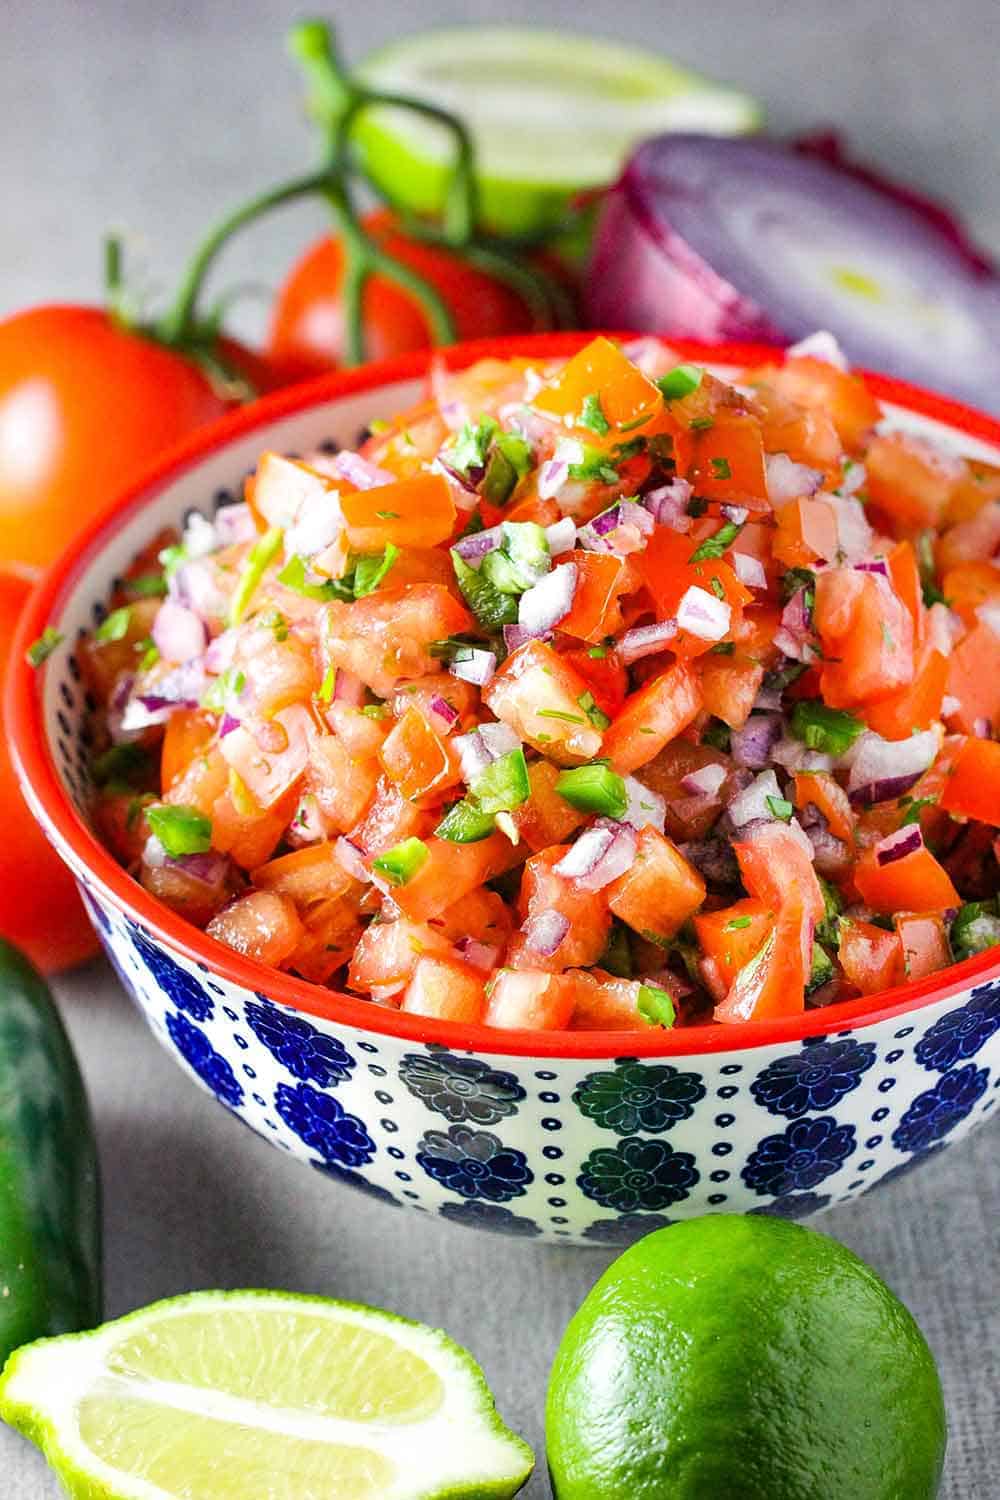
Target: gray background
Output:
[{"x": 150, "y": 117}]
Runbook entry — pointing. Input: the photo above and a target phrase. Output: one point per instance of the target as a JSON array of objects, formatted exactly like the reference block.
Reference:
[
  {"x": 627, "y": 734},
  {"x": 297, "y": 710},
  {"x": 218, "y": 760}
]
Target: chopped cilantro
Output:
[
  {"x": 370, "y": 570},
  {"x": 829, "y": 730},
  {"x": 715, "y": 545},
  {"x": 721, "y": 468},
  {"x": 592, "y": 416},
  {"x": 597, "y": 716}
]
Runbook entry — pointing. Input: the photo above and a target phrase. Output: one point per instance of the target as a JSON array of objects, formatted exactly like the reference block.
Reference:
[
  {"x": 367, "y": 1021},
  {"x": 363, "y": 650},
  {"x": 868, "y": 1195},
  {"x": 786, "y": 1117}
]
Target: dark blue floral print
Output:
[
  {"x": 637, "y": 1174},
  {"x": 961, "y": 1033},
  {"x": 639, "y": 1097},
  {"x": 299, "y": 1046},
  {"x": 474, "y": 1163},
  {"x": 809, "y": 1151},
  {"x": 934, "y": 1113},
  {"x": 322, "y": 1123},
  {"x": 489, "y": 1216},
  {"x": 461, "y": 1088},
  {"x": 176, "y": 983},
  {"x": 624, "y": 1230},
  {"x": 355, "y": 1180},
  {"x": 199, "y": 1054},
  {"x": 814, "y": 1078},
  {"x": 794, "y": 1205}
]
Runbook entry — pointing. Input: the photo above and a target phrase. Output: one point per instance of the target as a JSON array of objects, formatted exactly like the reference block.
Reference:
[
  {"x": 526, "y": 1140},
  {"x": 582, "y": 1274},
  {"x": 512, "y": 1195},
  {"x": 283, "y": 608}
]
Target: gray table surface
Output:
[{"x": 149, "y": 116}]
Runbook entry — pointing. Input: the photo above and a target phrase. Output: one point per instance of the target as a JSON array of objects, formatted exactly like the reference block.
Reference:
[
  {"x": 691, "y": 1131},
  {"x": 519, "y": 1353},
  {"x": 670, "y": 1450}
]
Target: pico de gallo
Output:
[{"x": 590, "y": 693}]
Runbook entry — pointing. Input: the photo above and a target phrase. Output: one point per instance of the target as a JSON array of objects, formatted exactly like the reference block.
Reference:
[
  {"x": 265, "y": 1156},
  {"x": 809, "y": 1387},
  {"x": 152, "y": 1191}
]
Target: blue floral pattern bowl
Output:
[{"x": 579, "y": 1138}]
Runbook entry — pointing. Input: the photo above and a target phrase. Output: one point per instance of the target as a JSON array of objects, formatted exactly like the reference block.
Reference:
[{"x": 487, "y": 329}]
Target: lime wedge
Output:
[
  {"x": 551, "y": 114},
  {"x": 233, "y": 1395}
]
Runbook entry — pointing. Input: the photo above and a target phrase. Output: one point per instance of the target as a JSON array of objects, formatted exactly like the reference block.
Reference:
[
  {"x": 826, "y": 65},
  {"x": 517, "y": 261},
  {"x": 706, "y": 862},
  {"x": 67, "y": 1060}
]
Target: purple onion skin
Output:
[
  {"x": 752, "y": 745},
  {"x": 901, "y": 848},
  {"x": 883, "y": 791}
]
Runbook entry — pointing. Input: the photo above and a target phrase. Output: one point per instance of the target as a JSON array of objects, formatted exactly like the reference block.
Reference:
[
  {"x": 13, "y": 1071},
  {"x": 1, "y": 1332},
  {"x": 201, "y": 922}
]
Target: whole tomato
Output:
[
  {"x": 307, "y": 325},
  {"x": 40, "y": 907},
  {"x": 85, "y": 403}
]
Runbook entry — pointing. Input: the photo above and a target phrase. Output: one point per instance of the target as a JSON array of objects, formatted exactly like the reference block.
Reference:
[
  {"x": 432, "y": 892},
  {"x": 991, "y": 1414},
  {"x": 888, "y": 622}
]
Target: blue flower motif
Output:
[
  {"x": 637, "y": 1174},
  {"x": 624, "y": 1230},
  {"x": 489, "y": 1216},
  {"x": 305, "y": 1051},
  {"x": 355, "y": 1180},
  {"x": 809, "y": 1151},
  {"x": 474, "y": 1163},
  {"x": 961, "y": 1033},
  {"x": 794, "y": 1205},
  {"x": 639, "y": 1097},
  {"x": 176, "y": 983},
  {"x": 323, "y": 1124},
  {"x": 934, "y": 1113},
  {"x": 199, "y": 1054},
  {"x": 815, "y": 1078},
  {"x": 461, "y": 1088},
  {"x": 97, "y": 911}
]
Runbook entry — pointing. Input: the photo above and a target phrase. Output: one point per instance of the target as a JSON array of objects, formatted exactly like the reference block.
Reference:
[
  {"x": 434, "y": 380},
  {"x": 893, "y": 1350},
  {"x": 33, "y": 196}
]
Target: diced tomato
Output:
[
  {"x": 728, "y": 461},
  {"x": 915, "y": 707},
  {"x": 600, "y": 368},
  {"x": 385, "y": 636},
  {"x": 269, "y": 773},
  {"x": 974, "y": 540},
  {"x": 246, "y": 832},
  {"x": 416, "y": 512},
  {"x": 191, "y": 898},
  {"x": 652, "y": 717},
  {"x": 343, "y": 785},
  {"x": 915, "y": 882},
  {"x": 605, "y": 675},
  {"x": 188, "y": 733},
  {"x": 390, "y": 819},
  {"x": 606, "y": 1003},
  {"x": 103, "y": 662},
  {"x": 543, "y": 891},
  {"x": 910, "y": 479},
  {"x": 974, "y": 680},
  {"x": 969, "y": 586},
  {"x": 262, "y": 925},
  {"x": 538, "y": 693},
  {"x": 829, "y": 798},
  {"x": 729, "y": 686},
  {"x": 807, "y": 533},
  {"x": 806, "y": 434},
  {"x": 871, "y": 958},
  {"x": 410, "y": 441},
  {"x": 668, "y": 572},
  {"x": 979, "y": 489},
  {"x": 923, "y": 939},
  {"x": 867, "y": 637},
  {"x": 204, "y": 780},
  {"x": 360, "y": 734},
  {"x": 427, "y": 694},
  {"x": 973, "y": 788},
  {"x": 450, "y": 871},
  {"x": 282, "y": 486},
  {"x": 687, "y": 816},
  {"x": 730, "y": 937},
  {"x": 420, "y": 761},
  {"x": 546, "y": 818},
  {"x": 904, "y": 570},
  {"x": 277, "y": 673},
  {"x": 447, "y": 990},
  {"x": 481, "y": 914},
  {"x": 523, "y": 1000},
  {"x": 601, "y": 578},
  {"x": 835, "y": 394},
  {"x": 388, "y": 953},
  {"x": 307, "y": 875},
  {"x": 332, "y": 932},
  {"x": 660, "y": 891},
  {"x": 120, "y": 823}
]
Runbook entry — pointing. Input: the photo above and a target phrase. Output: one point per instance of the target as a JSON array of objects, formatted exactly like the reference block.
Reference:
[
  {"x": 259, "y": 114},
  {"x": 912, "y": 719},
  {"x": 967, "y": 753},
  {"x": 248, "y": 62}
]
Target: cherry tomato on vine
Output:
[
  {"x": 307, "y": 326},
  {"x": 40, "y": 908},
  {"x": 85, "y": 403}
]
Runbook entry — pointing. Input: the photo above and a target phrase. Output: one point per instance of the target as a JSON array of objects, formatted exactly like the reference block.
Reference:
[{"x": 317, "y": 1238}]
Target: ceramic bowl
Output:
[{"x": 578, "y": 1138}]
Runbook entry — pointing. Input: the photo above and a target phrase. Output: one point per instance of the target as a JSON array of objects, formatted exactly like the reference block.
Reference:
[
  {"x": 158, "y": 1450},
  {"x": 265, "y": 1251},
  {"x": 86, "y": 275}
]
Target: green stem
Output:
[{"x": 178, "y": 324}]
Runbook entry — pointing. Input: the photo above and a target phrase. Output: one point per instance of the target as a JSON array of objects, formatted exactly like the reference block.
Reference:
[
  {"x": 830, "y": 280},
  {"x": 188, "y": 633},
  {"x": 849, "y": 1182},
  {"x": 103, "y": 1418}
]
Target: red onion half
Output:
[{"x": 749, "y": 240}]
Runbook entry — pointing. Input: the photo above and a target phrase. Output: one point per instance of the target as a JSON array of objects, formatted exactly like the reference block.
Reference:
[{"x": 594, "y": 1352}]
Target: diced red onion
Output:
[
  {"x": 465, "y": 486},
  {"x": 561, "y": 536},
  {"x": 831, "y": 855},
  {"x": 751, "y": 745},
  {"x": 348, "y": 689},
  {"x": 550, "y": 600},
  {"x": 444, "y": 711},
  {"x": 876, "y": 565},
  {"x": 543, "y": 933},
  {"x": 178, "y": 633},
  {"x": 882, "y": 769},
  {"x": 981, "y": 728},
  {"x": 713, "y": 858},
  {"x": 950, "y": 706},
  {"x": 477, "y": 667},
  {"x": 360, "y": 472},
  {"x": 788, "y": 480},
  {"x": 482, "y": 956},
  {"x": 668, "y": 505},
  {"x": 735, "y": 513},
  {"x": 854, "y": 535},
  {"x": 989, "y": 613},
  {"x": 220, "y": 652},
  {"x": 645, "y": 640},
  {"x": 599, "y": 855},
  {"x": 796, "y": 628},
  {"x": 820, "y": 345},
  {"x": 705, "y": 782},
  {"x": 899, "y": 844},
  {"x": 235, "y": 524},
  {"x": 352, "y": 860},
  {"x": 498, "y": 738},
  {"x": 515, "y": 636},
  {"x": 227, "y": 724},
  {"x": 763, "y": 830},
  {"x": 200, "y": 537},
  {"x": 318, "y": 522},
  {"x": 749, "y": 570},
  {"x": 768, "y": 699},
  {"x": 795, "y": 756},
  {"x": 646, "y": 808},
  {"x": 153, "y": 853},
  {"x": 195, "y": 586},
  {"x": 472, "y": 549},
  {"x": 551, "y": 477},
  {"x": 751, "y": 804},
  {"x": 853, "y": 477},
  {"x": 181, "y": 687},
  {"x": 702, "y": 614},
  {"x": 652, "y": 356},
  {"x": 473, "y": 754}
]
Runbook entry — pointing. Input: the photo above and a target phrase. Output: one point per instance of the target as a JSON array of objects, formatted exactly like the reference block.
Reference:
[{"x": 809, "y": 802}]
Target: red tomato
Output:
[
  {"x": 307, "y": 328},
  {"x": 84, "y": 406},
  {"x": 43, "y": 914}
]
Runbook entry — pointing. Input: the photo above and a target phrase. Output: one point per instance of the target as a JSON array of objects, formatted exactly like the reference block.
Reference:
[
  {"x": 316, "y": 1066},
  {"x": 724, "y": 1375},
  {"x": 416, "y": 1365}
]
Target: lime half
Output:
[
  {"x": 551, "y": 114},
  {"x": 233, "y": 1395}
]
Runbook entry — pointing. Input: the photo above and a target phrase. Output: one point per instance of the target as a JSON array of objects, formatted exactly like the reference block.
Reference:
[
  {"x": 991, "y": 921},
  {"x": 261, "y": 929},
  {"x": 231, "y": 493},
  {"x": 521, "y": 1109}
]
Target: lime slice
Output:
[
  {"x": 233, "y": 1395},
  {"x": 551, "y": 114}
]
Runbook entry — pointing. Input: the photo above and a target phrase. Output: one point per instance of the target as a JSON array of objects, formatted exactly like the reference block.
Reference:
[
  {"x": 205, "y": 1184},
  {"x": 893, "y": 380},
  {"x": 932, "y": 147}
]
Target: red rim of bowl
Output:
[{"x": 37, "y": 770}]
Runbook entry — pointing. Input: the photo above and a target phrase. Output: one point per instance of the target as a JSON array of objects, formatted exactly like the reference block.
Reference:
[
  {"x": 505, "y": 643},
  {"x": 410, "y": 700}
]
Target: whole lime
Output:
[{"x": 743, "y": 1358}]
